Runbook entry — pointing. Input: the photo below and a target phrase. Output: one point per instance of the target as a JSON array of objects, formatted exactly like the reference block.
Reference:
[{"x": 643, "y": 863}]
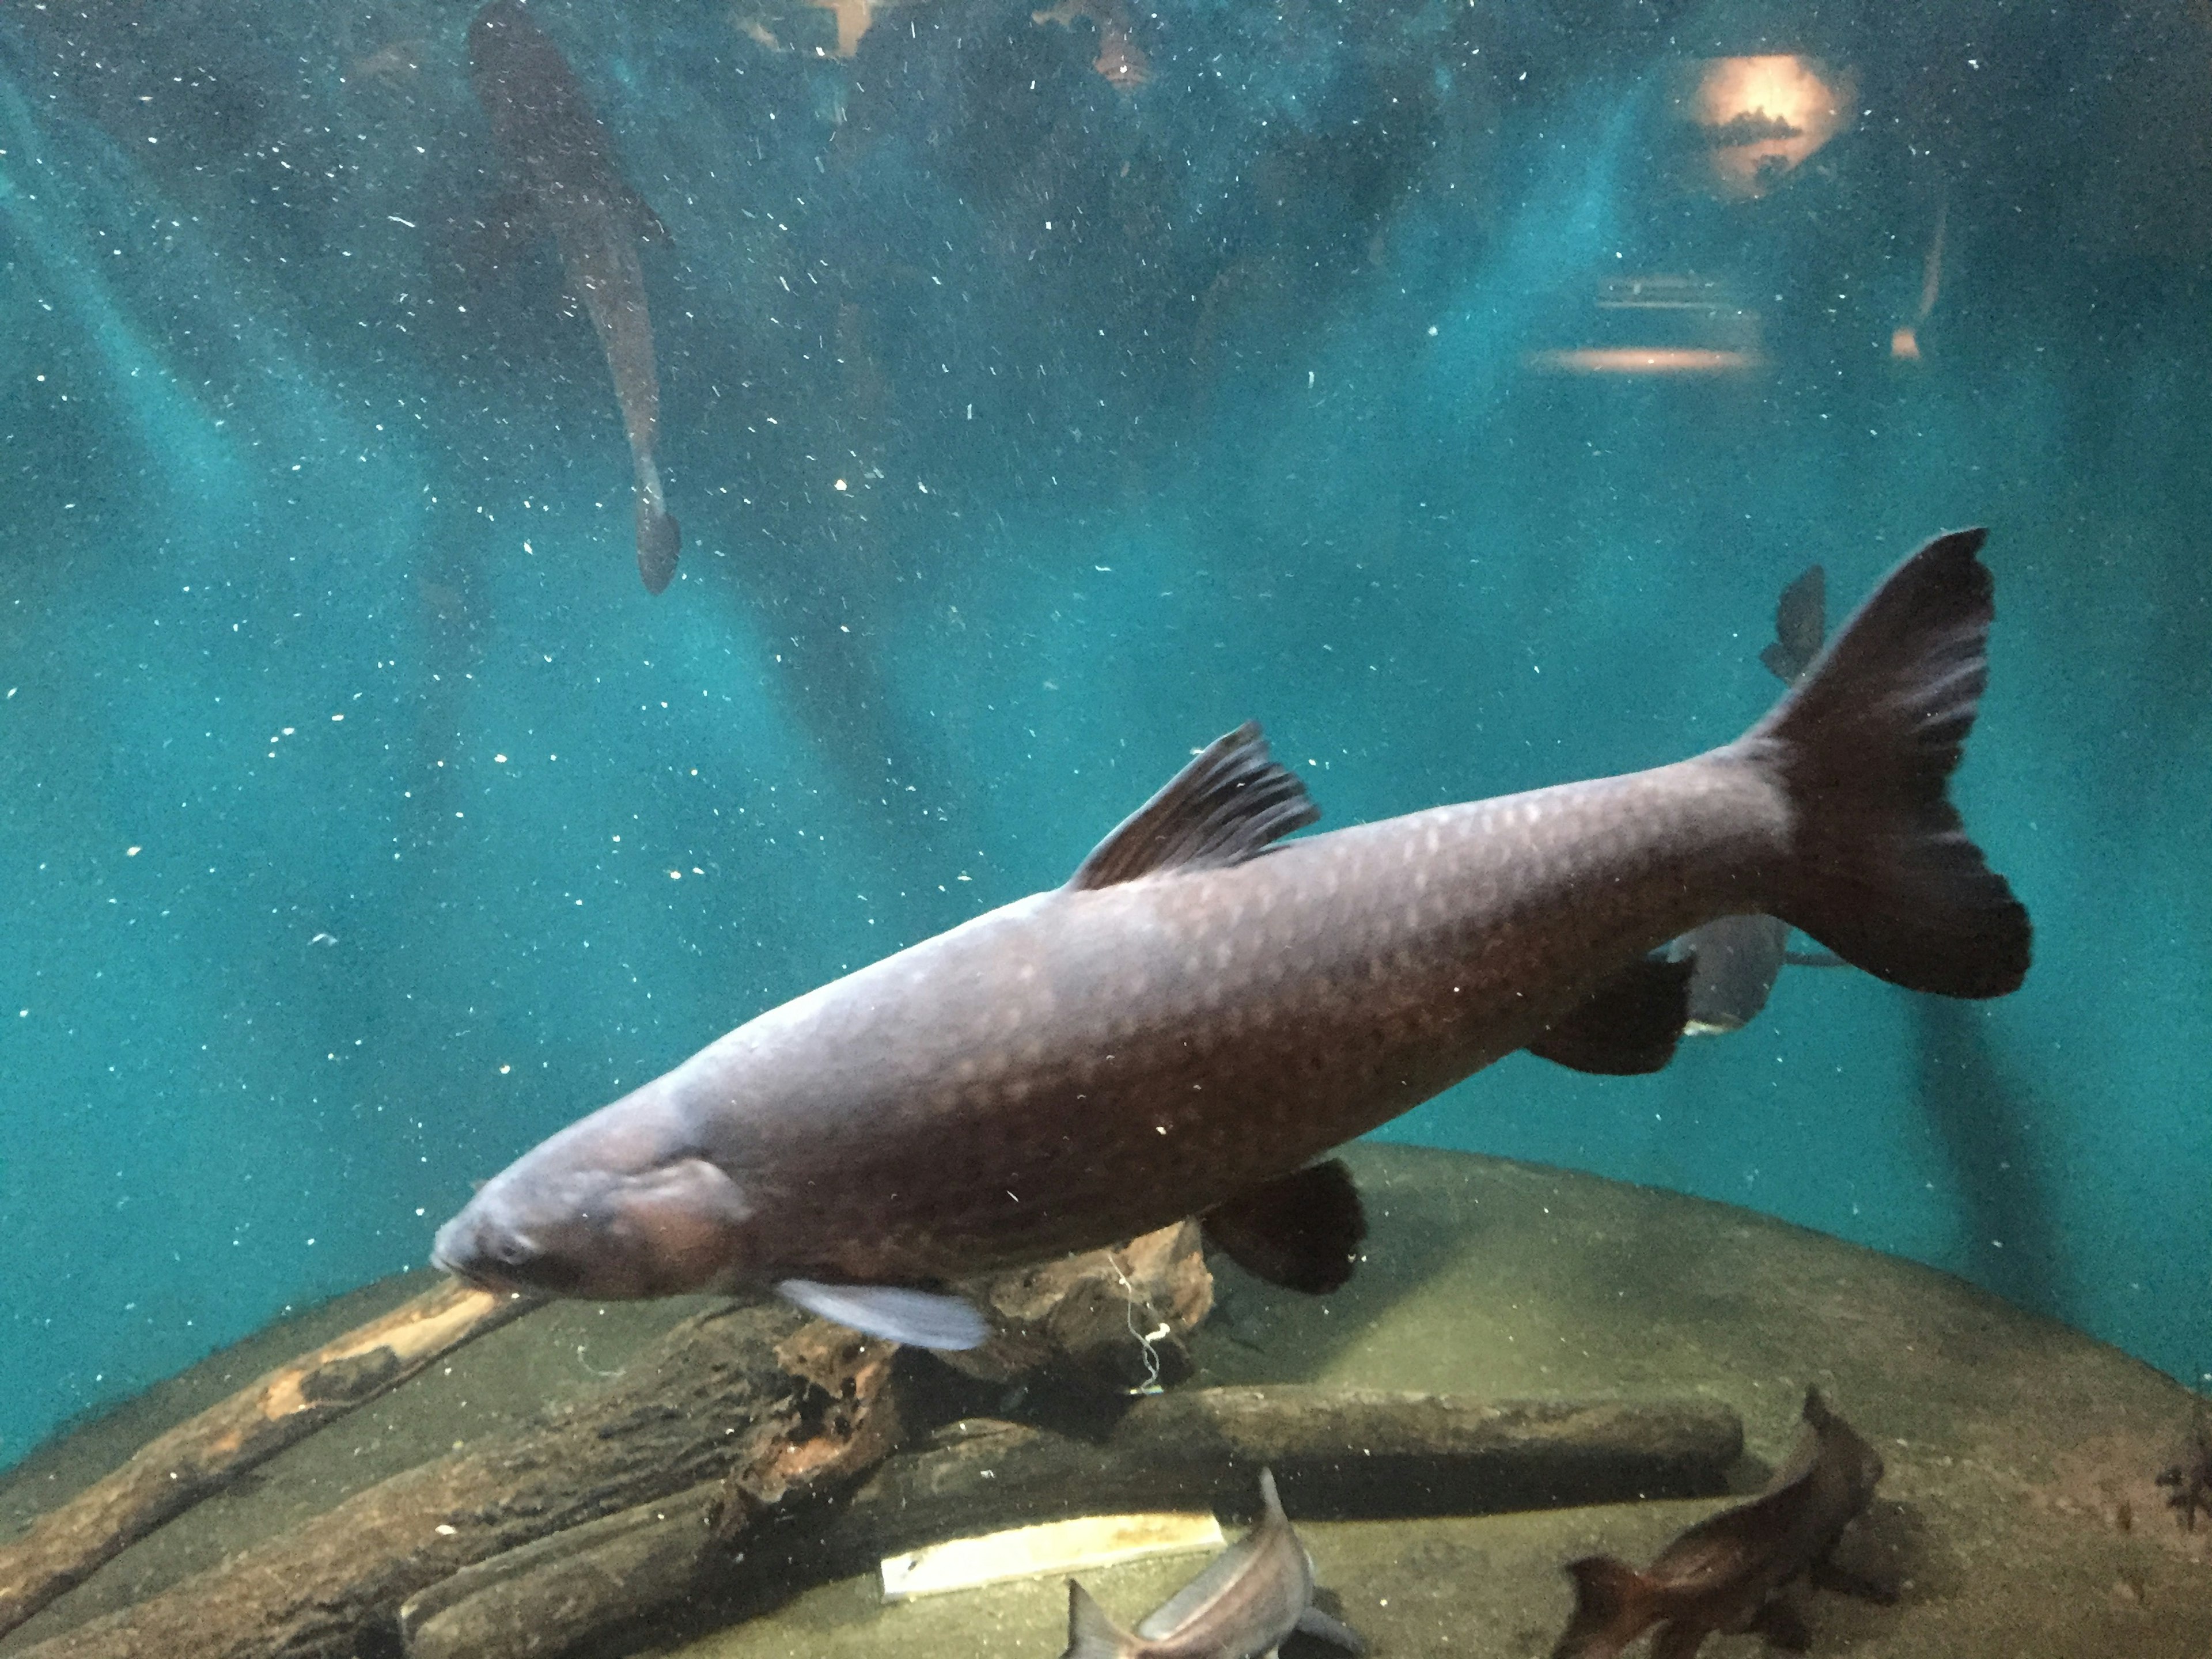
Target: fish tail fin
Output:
[
  {"x": 1615, "y": 1604},
  {"x": 659, "y": 538},
  {"x": 1091, "y": 1633},
  {"x": 1881, "y": 869}
]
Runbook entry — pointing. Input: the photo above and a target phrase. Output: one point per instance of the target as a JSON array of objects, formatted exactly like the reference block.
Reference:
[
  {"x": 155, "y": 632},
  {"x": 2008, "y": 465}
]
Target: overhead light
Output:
[{"x": 1757, "y": 120}]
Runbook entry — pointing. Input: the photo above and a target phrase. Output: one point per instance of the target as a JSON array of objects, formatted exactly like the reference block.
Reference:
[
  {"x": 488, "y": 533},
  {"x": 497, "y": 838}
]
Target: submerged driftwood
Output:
[
  {"x": 1344, "y": 1453},
  {"x": 759, "y": 1407},
  {"x": 202, "y": 1455},
  {"x": 714, "y": 1395},
  {"x": 1117, "y": 1318}
]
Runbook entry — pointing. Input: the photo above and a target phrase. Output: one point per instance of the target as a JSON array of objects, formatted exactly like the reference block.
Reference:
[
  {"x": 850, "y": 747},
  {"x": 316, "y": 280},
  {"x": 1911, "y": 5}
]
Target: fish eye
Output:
[{"x": 511, "y": 1249}]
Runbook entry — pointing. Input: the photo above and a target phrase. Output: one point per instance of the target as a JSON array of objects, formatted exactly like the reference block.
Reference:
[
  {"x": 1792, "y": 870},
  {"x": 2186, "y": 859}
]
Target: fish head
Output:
[{"x": 561, "y": 1221}]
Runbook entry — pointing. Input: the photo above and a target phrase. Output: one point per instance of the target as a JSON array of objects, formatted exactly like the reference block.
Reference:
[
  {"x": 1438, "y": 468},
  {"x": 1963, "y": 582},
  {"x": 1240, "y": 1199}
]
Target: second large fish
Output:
[{"x": 1205, "y": 1007}]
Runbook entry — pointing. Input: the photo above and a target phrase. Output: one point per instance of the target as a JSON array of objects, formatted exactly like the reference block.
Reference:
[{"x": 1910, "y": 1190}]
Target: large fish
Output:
[
  {"x": 1724, "y": 1573},
  {"x": 562, "y": 162},
  {"x": 1246, "y": 1603},
  {"x": 1205, "y": 1007}
]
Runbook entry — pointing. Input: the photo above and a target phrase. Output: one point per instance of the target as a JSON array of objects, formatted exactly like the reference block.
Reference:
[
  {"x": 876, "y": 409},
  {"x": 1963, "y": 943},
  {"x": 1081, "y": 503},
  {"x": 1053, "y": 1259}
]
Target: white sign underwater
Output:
[{"x": 1055, "y": 1546}]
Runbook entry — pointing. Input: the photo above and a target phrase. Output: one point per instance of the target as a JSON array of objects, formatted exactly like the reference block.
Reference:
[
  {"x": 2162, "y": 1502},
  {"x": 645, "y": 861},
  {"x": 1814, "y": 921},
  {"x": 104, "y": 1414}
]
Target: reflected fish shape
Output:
[{"x": 562, "y": 162}]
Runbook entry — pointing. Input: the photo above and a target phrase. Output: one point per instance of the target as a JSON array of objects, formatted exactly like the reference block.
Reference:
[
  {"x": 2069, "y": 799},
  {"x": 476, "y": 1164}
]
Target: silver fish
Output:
[
  {"x": 1205, "y": 1008},
  {"x": 1246, "y": 1603}
]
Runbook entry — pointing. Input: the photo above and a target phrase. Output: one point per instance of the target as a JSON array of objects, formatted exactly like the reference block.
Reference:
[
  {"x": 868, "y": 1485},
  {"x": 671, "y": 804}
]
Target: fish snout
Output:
[{"x": 480, "y": 1248}]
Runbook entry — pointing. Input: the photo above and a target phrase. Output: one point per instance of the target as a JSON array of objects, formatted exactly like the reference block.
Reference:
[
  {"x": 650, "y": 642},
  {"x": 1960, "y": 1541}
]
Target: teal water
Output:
[{"x": 1153, "y": 411}]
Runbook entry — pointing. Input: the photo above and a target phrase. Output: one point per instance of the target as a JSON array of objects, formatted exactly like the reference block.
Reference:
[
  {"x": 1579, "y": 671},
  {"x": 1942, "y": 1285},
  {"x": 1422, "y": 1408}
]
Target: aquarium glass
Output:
[{"x": 1451, "y": 386}]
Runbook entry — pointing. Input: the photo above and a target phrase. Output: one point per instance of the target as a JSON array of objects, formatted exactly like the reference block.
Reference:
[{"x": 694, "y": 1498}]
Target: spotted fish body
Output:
[{"x": 1205, "y": 1007}]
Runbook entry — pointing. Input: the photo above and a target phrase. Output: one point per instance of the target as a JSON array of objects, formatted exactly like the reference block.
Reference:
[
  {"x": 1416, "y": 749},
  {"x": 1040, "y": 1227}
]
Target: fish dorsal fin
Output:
[
  {"x": 1302, "y": 1230},
  {"x": 1091, "y": 1633},
  {"x": 1231, "y": 801},
  {"x": 1224, "y": 1570}
]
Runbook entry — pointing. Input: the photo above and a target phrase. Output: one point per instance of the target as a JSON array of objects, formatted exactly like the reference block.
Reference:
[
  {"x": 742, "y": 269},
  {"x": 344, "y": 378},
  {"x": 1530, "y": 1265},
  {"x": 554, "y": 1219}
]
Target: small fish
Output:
[
  {"x": 563, "y": 163},
  {"x": 1247, "y": 1603},
  {"x": 1735, "y": 960},
  {"x": 1722, "y": 1575},
  {"x": 2190, "y": 1474},
  {"x": 1206, "y": 1007}
]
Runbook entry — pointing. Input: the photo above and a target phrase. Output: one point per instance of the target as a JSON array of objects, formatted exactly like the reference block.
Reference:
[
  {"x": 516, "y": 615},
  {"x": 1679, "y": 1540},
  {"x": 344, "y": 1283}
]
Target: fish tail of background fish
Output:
[
  {"x": 1882, "y": 870},
  {"x": 603, "y": 262},
  {"x": 660, "y": 538},
  {"x": 1615, "y": 1604}
]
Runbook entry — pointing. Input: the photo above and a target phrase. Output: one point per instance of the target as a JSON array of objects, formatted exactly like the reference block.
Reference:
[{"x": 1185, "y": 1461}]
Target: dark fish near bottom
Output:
[
  {"x": 1205, "y": 1008},
  {"x": 1722, "y": 1575}
]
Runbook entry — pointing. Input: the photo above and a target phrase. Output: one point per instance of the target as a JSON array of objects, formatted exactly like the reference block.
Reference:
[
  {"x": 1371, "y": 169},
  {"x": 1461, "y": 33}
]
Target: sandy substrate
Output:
[{"x": 2018, "y": 1515}]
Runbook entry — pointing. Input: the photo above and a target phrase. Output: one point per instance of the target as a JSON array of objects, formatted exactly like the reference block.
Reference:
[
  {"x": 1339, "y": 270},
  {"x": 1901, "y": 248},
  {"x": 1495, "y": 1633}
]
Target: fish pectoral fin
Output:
[
  {"x": 1314, "y": 1622},
  {"x": 1629, "y": 1025},
  {"x": 897, "y": 1313},
  {"x": 1302, "y": 1232},
  {"x": 1228, "y": 803}
]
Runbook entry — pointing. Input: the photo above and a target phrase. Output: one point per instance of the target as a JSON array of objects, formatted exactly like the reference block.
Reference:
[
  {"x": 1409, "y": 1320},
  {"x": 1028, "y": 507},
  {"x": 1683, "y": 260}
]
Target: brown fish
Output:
[
  {"x": 1722, "y": 1574},
  {"x": 1246, "y": 1603},
  {"x": 2190, "y": 1475},
  {"x": 1205, "y": 1007},
  {"x": 562, "y": 161},
  {"x": 1735, "y": 960}
]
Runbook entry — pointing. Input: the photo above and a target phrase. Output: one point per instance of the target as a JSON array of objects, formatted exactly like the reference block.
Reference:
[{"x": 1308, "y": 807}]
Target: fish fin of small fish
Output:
[
  {"x": 659, "y": 538},
  {"x": 1091, "y": 1633},
  {"x": 1628, "y": 1026},
  {"x": 1314, "y": 1622},
  {"x": 1801, "y": 627},
  {"x": 897, "y": 1313},
  {"x": 1882, "y": 871},
  {"x": 1228, "y": 803},
  {"x": 1615, "y": 1604},
  {"x": 1302, "y": 1230}
]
